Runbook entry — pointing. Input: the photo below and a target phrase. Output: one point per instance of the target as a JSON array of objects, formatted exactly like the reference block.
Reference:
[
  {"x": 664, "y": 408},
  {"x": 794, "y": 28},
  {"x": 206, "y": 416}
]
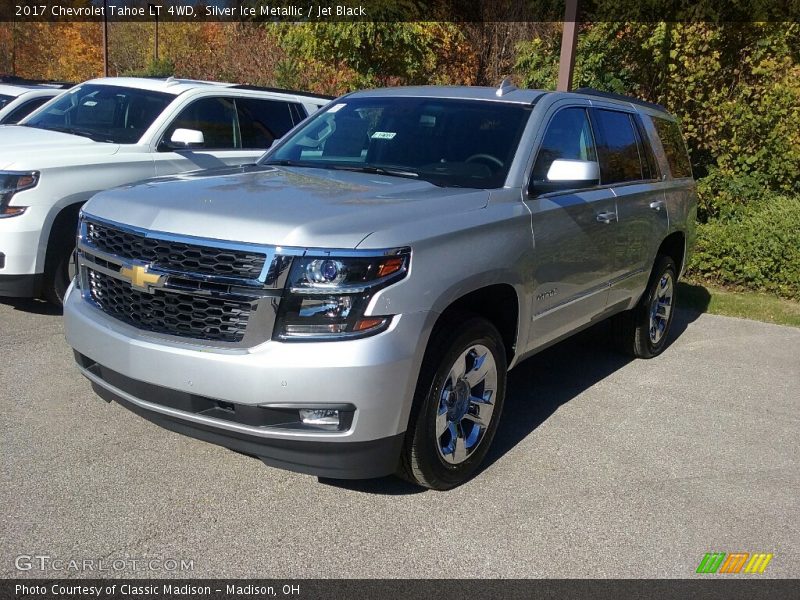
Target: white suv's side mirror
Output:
[{"x": 187, "y": 138}]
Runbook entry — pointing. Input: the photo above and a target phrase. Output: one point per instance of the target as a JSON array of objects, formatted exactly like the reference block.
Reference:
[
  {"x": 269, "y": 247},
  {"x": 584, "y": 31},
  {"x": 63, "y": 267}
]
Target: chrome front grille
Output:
[
  {"x": 198, "y": 317},
  {"x": 175, "y": 255},
  {"x": 213, "y": 292}
]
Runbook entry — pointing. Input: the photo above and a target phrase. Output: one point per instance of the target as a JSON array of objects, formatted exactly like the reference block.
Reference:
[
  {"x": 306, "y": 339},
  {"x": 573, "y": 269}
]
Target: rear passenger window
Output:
[
  {"x": 617, "y": 147},
  {"x": 568, "y": 136},
  {"x": 674, "y": 147},
  {"x": 263, "y": 121}
]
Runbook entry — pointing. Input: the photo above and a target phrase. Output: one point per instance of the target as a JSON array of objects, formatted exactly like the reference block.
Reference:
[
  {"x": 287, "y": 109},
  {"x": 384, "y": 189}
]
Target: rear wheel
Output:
[
  {"x": 642, "y": 331},
  {"x": 457, "y": 404}
]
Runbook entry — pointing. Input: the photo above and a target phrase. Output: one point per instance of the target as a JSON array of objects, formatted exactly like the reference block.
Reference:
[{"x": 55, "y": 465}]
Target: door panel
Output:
[
  {"x": 643, "y": 223},
  {"x": 573, "y": 256},
  {"x": 628, "y": 165},
  {"x": 573, "y": 234}
]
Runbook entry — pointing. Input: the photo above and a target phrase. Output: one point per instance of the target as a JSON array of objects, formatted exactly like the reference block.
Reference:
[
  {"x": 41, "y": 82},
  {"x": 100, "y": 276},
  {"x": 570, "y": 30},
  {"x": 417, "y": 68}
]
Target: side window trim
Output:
[{"x": 528, "y": 188}]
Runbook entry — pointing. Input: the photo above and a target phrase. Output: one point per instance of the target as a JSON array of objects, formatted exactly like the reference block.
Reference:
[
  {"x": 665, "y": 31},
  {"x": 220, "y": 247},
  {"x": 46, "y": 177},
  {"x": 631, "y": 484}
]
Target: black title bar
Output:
[{"x": 474, "y": 11}]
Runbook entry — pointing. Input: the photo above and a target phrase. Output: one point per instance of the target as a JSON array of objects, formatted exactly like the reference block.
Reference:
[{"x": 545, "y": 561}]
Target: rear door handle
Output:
[
  {"x": 657, "y": 204},
  {"x": 606, "y": 217}
]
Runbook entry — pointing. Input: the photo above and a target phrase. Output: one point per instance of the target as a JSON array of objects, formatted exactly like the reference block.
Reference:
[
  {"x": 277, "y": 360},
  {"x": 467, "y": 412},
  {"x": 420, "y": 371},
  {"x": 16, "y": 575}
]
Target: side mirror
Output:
[
  {"x": 567, "y": 174},
  {"x": 186, "y": 138}
]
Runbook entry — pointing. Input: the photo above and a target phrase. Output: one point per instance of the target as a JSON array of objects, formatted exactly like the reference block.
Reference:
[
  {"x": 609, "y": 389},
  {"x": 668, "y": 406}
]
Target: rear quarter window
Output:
[{"x": 674, "y": 147}]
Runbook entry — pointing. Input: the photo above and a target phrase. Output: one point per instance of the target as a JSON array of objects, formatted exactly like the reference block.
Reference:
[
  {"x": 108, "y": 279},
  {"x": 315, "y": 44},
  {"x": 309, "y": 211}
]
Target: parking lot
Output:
[{"x": 603, "y": 467}]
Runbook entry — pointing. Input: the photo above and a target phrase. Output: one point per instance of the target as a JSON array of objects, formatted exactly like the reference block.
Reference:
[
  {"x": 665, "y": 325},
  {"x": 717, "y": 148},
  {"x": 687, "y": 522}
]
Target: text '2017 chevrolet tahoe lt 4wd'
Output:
[{"x": 350, "y": 306}]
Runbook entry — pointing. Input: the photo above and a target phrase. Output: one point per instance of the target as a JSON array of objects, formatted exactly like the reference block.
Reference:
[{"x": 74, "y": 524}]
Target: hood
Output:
[
  {"x": 32, "y": 148},
  {"x": 286, "y": 206}
]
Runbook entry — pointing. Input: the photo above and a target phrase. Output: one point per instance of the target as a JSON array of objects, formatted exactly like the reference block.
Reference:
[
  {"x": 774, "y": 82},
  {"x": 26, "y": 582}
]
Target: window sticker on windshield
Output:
[
  {"x": 427, "y": 120},
  {"x": 383, "y": 135},
  {"x": 336, "y": 107},
  {"x": 90, "y": 103}
]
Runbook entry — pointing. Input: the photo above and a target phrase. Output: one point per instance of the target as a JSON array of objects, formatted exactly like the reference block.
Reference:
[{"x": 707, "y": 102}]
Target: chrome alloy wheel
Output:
[
  {"x": 466, "y": 404},
  {"x": 661, "y": 307}
]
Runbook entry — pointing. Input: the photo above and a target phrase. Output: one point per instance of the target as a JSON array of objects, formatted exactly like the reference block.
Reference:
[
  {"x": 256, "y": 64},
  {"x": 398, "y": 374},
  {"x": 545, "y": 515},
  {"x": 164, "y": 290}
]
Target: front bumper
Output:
[
  {"x": 375, "y": 375},
  {"x": 21, "y": 243}
]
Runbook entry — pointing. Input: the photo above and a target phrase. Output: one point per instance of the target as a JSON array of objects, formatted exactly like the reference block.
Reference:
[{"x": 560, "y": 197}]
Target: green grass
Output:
[{"x": 746, "y": 305}]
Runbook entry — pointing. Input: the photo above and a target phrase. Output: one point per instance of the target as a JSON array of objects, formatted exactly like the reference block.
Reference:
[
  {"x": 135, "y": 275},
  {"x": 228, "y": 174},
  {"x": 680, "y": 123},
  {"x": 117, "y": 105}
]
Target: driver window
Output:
[
  {"x": 568, "y": 136},
  {"x": 215, "y": 117}
]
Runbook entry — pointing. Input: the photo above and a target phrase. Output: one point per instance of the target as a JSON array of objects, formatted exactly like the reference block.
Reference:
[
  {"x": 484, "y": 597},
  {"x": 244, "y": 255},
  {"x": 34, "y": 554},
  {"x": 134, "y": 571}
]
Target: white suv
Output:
[
  {"x": 114, "y": 131},
  {"x": 20, "y": 97}
]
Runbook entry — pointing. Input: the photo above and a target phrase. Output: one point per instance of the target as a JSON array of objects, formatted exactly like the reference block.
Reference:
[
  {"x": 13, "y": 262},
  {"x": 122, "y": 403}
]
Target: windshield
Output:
[
  {"x": 450, "y": 143},
  {"x": 104, "y": 113},
  {"x": 5, "y": 100}
]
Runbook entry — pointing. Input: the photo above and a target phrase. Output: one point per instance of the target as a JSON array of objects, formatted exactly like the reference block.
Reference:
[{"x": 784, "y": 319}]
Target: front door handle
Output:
[
  {"x": 606, "y": 217},
  {"x": 657, "y": 204}
]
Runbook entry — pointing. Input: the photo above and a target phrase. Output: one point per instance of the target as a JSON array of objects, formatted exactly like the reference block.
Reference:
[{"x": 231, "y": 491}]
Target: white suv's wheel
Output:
[{"x": 457, "y": 405}]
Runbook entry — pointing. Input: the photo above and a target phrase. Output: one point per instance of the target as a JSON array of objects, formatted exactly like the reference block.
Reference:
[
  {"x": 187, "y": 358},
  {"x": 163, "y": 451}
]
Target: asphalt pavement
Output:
[{"x": 603, "y": 467}]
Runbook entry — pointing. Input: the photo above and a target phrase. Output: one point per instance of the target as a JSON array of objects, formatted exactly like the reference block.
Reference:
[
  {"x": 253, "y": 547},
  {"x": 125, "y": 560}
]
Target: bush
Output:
[{"x": 757, "y": 247}]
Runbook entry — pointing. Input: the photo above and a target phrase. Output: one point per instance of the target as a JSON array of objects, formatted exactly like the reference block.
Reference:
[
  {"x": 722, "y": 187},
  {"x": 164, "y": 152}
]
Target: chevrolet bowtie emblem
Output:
[{"x": 140, "y": 278}]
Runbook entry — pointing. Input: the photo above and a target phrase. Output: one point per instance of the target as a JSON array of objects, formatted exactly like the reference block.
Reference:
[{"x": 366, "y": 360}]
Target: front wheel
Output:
[
  {"x": 59, "y": 271},
  {"x": 642, "y": 331},
  {"x": 457, "y": 404}
]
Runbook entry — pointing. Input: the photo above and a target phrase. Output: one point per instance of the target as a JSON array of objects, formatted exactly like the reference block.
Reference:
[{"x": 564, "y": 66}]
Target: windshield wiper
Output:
[
  {"x": 285, "y": 162},
  {"x": 375, "y": 170},
  {"x": 92, "y": 135}
]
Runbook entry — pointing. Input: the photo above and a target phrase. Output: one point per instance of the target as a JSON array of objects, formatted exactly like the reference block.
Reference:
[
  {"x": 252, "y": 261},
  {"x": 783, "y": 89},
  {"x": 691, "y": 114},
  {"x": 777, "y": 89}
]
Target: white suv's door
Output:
[{"x": 235, "y": 131}]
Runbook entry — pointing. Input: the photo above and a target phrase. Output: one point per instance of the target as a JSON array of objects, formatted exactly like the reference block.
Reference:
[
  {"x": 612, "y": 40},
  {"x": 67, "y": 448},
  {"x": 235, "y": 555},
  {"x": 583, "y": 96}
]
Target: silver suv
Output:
[{"x": 350, "y": 305}]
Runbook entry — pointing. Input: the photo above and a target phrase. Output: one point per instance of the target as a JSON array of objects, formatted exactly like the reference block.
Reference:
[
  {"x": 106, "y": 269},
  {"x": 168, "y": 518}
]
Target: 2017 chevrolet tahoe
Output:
[{"x": 350, "y": 305}]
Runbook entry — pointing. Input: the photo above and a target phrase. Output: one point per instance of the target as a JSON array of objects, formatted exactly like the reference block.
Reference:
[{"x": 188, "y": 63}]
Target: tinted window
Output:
[
  {"x": 568, "y": 136},
  {"x": 215, "y": 117},
  {"x": 674, "y": 147},
  {"x": 105, "y": 113},
  {"x": 448, "y": 142},
  {"x": 617, "y": 147},
  {"x": 263, "y": 121},
  {"x": 5, "y": 100},
  {"x": 24, "y": 109}
]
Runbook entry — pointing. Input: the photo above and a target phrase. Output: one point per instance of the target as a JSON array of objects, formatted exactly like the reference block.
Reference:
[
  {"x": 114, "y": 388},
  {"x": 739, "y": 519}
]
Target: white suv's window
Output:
[
  {"x": 4, "y": 99},
  {"x": 214, "y": 117},
  {"x": 104, "y": 113},
  {"x": 234, "y": 123}
]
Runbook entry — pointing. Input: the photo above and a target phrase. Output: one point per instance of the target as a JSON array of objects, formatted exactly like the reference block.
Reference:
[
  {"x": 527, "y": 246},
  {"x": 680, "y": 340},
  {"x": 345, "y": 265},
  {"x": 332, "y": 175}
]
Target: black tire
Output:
[
  {"x": 422, "y": 462},
  {"x": 60, "y": 252},
  {"x": 633, "y": 327}
]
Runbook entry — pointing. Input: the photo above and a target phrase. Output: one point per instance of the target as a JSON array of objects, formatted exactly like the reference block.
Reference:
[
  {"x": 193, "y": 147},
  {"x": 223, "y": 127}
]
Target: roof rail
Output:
[
  {"x": 259, "y": 88},
  {"x": 14, "y": 80},
  {"x": 593, "y": 92}
]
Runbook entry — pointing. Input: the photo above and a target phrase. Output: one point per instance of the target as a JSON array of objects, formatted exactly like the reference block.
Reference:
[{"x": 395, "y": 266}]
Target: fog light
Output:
[{"x": 320, "y": 417}]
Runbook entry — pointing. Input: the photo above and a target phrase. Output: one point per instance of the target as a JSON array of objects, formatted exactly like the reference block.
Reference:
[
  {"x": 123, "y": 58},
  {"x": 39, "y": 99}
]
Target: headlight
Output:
[
  {"x": 326, "y": 296},
  {"x": 12, "y": 182}
]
